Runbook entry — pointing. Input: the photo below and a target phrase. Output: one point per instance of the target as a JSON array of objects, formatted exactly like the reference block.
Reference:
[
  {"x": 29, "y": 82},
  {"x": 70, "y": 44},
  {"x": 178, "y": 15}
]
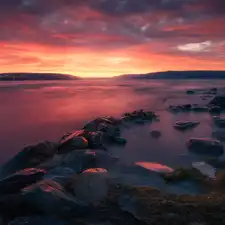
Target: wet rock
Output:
[
  {"x": 96, "y": 140},
  {"x": 184, "y": 125},
  {"x": 205, "y": 169},
  {"x": 14, "y": 183},
  {"x": 30, "y": 156},
  {"x": 198, "y": 108},
  {"x": 155, "y": 167},
  {"x": 180, "y": 108},
  {"x": 73, "y": 141},
  {"x": 91, "y": 186},
  {"x": 50, "y": 197},
  {"x": 156, "y": 134},
  {"x": 214, "y": 110},
  {"x": 77, "y": 160},
  {"x": 219, "y": 101},
  {"x": 139, "y": 121},
  {"x": 189, "y": 92},
  {"x": 60, "y": 174},
  {"x": 140, "y": 115},
  {"x": 205, "y": 146},
  {"x": 38, "y": 220},
  {"x": 182, "y": 174},
  {"x": 120, "y": 141}
]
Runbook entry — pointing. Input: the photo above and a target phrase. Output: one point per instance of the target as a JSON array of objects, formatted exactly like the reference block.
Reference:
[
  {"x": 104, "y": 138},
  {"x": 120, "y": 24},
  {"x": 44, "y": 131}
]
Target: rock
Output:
[
  {"x": 73, "y": 141},
  {"x": 214, "y": 109},
  {"x": 155, "y": 134},
  {"x": 180, "y": 108},
  {"x": 219, "y": 101},
  {"x": 77, "y": 160},
  {"x": 184, "y": 125},
  {"x": 96, "y": 140},
  {"x": 60, "y": 174},
  {"x": 139, "y": 121},
  {"x": 156, "y": 167},
  {"x": 205, "y": 146},
  {"x": 189, "y": 92},
  {"x": 139, "y": 115},
  {"x": 30, "y": 156},
  {"x": 120, "y": 141},
  {"x": 14, "y": 183},
  {"x": 182, "y": 174},
  {"x": 198, "y": 108},
  {"x": 91, "y": 186},
  {"x": 205, "y": 169},
  {"x": 38, "y": 220},
  {"x": 50, "y": 197},
  {"x": 220, "y": 122}
]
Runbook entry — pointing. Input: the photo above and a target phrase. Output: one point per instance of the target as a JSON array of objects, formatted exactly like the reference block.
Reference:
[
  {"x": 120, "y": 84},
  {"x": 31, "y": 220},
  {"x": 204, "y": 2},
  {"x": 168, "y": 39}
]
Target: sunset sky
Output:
[{"x": 102, "y": 38}]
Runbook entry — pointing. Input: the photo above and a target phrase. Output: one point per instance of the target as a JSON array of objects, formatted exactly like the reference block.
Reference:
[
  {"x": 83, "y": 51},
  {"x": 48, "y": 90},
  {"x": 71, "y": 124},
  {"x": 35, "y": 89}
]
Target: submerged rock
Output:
[
  {"x": 30, "y": 156},
  {"x": 184, "y": 125},
  {"x": 17, "y": 181},
  {"x": 205, "y": 146},
  {"x": 219, "y": 101},
  {"x": 180, "y": 108},
  {"x": 120, "y": 141},
  {"x": 91, "y": 186},
  {"x": 140, "y": 115},
  {"x": 156, "y": 134},
  {"x": 50, "y": 197},
  {"x": 198, "y": 108}
]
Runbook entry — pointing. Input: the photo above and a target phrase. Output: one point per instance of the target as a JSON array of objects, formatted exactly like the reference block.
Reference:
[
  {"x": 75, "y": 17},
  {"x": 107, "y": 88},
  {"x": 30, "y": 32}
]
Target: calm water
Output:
[{"x": 36, "y": 111}]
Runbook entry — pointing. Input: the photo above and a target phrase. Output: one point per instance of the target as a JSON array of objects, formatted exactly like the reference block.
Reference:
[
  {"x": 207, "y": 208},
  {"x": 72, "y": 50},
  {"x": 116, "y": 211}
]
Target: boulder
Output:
[
  {"x": 120, "y": 141},
  {"x": 51, "y": 198},
  {"x": 17, "y": 181},
  {"x": 73, "y": 141},
  {"x": 38, "y": 220},
  {"x": 30, "y": 156},
  {"x": 155, "y": 134},
  {"x": 205, "y": 146},
  {"x": 219, "y": 101},
  {"x": 60, "y": 174},
  {"x": 77, "y": 160},
  {"x": 91, "y": 186},
  {"x": 184, "y": 125}
]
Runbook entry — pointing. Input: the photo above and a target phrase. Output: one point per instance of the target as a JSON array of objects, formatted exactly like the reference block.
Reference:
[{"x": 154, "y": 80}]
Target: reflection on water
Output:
[{"x": 36, "y": 111}]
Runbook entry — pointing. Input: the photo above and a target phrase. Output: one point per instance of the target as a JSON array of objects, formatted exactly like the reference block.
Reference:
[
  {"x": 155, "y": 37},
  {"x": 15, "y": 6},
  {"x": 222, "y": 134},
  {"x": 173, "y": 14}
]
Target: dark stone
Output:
[
  {"x": 155, "y": 134},
  {"x": 38, "y": 220},
  {"x": 31, "y": 156},
  {"x": 205, "y": 146},
  {"x": 180, "y": 108},
  {"x": 218, "y": 100},
  {"x": 189, "y": 92},
  {"x": 51, "y": 198},
  {"x": 140, "y": 115},
  {"x": 19, "y": 180},
  {"x": 185, "y": 125}
]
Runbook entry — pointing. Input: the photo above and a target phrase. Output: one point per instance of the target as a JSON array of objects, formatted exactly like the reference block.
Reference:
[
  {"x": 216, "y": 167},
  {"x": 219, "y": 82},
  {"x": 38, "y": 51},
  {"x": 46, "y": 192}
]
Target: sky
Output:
[{"x": 103, "y": 38}]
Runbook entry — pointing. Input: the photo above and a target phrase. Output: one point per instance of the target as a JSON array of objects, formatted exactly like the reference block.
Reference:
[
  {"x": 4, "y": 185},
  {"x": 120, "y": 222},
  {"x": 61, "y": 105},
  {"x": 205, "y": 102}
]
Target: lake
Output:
[{"x": 32, "y": 112}]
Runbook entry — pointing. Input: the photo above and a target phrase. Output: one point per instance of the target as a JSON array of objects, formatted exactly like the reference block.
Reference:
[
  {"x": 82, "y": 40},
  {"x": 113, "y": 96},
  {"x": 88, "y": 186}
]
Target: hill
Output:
[
  {"x": 178, "y": 75},
  {"x": 35, "y": 76}
]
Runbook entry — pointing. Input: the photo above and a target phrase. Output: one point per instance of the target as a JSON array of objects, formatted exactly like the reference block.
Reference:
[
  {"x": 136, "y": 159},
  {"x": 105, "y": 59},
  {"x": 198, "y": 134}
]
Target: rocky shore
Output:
[{"x": 69, "y": 182}]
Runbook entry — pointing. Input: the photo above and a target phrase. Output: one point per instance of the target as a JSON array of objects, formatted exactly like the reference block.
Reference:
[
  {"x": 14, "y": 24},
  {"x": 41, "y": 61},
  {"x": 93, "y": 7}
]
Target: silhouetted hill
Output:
[
  {"x": 178, "y": 75},
  {"x": 36, "y": 76}
]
